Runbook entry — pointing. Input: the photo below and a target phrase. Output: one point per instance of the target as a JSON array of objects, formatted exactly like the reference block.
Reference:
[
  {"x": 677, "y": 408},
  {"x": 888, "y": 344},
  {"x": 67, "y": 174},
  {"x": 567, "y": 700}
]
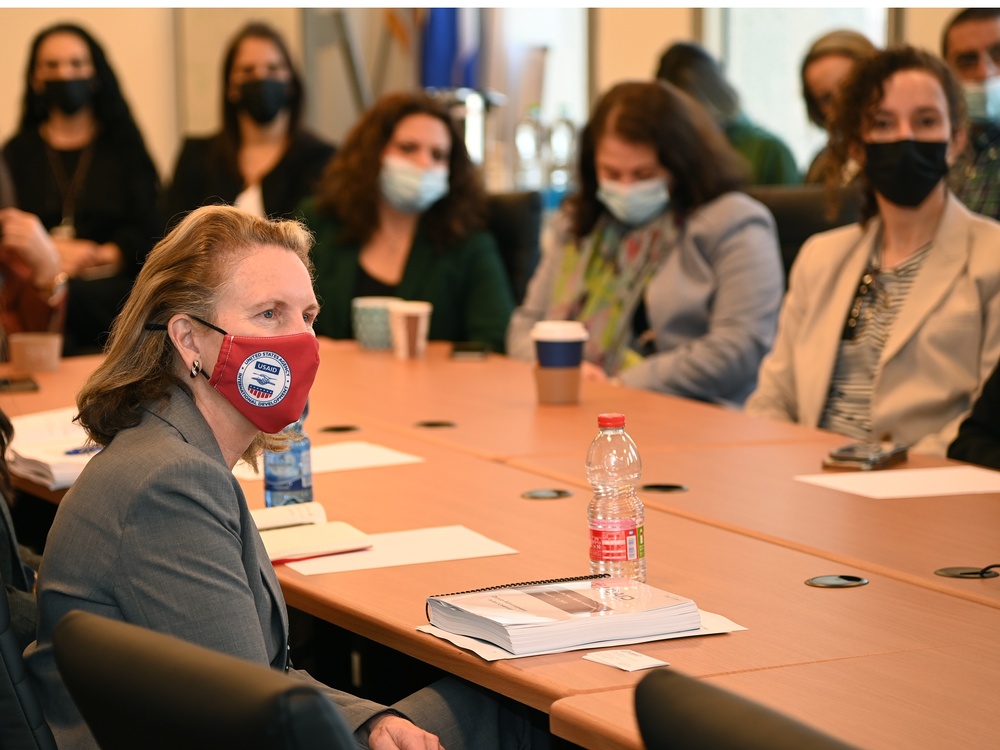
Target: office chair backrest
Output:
[
  {"x": 800, "y": 211},
  {"x": 677, "y": 712},
  {"x": 515, "y": 220},
  {"x": 22, "y": 724},
  {"x": 137, "y": 688}
]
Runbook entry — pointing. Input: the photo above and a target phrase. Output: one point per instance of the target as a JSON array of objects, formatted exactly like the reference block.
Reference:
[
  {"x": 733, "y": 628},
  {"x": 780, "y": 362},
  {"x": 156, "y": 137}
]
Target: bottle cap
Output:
[{"x": 604, "y": 421}]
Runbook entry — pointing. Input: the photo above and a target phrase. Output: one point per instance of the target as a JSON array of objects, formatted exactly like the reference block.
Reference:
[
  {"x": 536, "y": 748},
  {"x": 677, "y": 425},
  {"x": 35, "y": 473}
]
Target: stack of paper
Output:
[
  {"x": 49, "y": 448},
  {"x": 550, "y": 615},
  {"x": 300, "y": 531}
]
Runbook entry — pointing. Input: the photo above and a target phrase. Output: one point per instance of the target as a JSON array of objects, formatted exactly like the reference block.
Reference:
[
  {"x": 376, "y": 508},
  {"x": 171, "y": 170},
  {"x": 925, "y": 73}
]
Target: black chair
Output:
[
  {"x": 677, "y": 712},
  {"x": 515, "y": 220},
  {"x": 137, "y": 688},
  {"x": 800, "y": 211},
  {"x": 22, "y": 724}
]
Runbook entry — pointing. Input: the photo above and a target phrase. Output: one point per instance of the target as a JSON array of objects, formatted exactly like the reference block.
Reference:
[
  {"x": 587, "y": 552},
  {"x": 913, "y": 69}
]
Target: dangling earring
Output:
[{"x": 195, "y": 369}]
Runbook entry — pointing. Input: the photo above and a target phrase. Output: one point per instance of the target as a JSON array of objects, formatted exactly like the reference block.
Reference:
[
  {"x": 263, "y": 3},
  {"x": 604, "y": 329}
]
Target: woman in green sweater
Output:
[{"x": 400, "y": 213}]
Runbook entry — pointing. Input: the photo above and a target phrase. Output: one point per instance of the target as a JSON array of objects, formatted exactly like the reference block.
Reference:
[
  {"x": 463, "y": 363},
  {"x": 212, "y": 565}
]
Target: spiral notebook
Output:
[{"x": 563, "y": 614}]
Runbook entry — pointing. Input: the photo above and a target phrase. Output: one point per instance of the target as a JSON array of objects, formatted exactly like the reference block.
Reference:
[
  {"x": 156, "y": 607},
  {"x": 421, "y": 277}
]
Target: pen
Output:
[{"x": 84, "y": 450}]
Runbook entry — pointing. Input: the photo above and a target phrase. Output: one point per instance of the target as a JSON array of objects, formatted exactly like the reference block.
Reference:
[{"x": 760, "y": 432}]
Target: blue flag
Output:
[{"x": 450, "y": 55}]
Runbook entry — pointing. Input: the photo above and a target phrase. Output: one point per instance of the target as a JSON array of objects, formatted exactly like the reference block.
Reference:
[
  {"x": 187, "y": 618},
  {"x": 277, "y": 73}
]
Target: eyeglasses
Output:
[{"x": 868, "y": 280}]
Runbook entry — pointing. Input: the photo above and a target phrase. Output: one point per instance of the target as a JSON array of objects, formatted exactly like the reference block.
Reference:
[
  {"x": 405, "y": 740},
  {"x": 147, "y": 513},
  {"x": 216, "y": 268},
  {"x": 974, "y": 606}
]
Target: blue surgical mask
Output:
[
  {"x": 409, "y": 188},
  {"x": 983, "y": 99},
  {"x": 635, "y": 202}
]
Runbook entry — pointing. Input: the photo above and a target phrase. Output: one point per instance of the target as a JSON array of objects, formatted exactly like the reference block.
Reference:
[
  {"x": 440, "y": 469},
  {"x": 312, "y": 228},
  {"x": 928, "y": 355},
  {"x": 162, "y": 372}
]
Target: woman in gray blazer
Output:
[
  {"x": 156, "y": 530},
  {"x": 891, "y": 326},
  {"x": 676, "y": 274}
]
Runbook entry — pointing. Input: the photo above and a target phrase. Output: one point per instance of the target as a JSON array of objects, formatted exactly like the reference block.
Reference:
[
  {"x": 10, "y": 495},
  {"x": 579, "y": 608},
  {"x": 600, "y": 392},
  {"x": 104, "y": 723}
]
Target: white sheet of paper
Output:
[
  {"x": 881, "y": 485},
  {"x": 46, "y": 447},
  {"x": 711, "y": 624},
  {"x": 350, "y": 454},
  {"x": 48, "y": 425},
  {"x": 625, "y": 659},
  {"x": 408, "y": 548}
]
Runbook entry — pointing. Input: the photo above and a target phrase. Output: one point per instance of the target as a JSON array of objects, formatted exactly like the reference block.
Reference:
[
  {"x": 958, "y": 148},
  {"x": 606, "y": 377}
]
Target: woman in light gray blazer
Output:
[
  {"x": 156, "y": 531},
  {"x": 890, "y": 327},
  {"x": 675, "y": 273}
]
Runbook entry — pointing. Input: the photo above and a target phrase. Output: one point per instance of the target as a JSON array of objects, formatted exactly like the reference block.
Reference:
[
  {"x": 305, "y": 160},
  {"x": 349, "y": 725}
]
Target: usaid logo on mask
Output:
[{"x": 263, "y": 379}]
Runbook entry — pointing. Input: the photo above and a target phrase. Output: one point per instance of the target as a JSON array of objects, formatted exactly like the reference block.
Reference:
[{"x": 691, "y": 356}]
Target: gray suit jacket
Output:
[
  {"x": 156, "y": 532},
  {"x": 942, "y": 347}
]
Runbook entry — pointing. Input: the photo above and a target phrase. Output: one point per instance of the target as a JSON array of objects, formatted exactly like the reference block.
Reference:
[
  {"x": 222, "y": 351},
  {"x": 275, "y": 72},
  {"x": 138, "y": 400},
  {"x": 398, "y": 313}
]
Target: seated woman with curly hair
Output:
[{"x": 399, "y": 213}]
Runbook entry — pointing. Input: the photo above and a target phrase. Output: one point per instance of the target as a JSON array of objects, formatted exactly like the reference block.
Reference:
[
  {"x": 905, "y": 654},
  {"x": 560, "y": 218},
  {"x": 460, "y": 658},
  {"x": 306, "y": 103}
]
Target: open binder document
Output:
[
  {"x": 564, "y": 614},
  {"x": 300, "y": 531},
  {"x": 49, "y": 448}
]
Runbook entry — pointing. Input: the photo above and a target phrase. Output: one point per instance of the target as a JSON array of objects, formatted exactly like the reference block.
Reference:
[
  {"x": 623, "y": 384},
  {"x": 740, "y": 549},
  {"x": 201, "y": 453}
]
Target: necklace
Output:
[{"x": 69, "y": 188}]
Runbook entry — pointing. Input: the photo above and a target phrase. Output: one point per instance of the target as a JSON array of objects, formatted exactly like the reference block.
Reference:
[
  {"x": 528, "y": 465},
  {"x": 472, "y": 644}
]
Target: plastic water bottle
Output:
[
  {"x": 562, "y": 155},
  {"x": 531, "y": 145},
  {"x": 288, "y": 473},
  {"x": 615, "y": 515}
]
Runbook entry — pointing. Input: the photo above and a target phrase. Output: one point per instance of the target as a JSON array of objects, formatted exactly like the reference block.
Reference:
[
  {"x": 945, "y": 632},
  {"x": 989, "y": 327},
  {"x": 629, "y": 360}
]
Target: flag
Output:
[{"x": 451, "y": 42}]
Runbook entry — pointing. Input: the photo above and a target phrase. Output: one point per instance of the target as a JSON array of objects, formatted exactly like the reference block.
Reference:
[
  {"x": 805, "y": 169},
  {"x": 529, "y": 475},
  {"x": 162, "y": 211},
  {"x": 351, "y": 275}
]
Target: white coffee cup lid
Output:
[
  {"x": 373, "y": 301},
  {"x": 411, "y": 306},
  {"x": 559, "y": 330}
]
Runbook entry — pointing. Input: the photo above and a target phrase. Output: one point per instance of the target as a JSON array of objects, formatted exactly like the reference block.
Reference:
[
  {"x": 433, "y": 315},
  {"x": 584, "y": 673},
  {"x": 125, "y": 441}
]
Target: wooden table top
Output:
[
  {"x": 752, "y": 489},
  {"x": 929, "y": 698},
  {"x": 757, "y": 584},
  {"x": 740, "y": 542},
  {"x": 492, "y": 407}
]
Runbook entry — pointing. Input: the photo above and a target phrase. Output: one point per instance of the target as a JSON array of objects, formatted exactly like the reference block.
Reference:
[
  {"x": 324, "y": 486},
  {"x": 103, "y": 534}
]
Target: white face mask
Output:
[
  {"x": 983, "y": 99},
  {"x": 409, "y": 188},
  {"x": 635, "y": 202}
]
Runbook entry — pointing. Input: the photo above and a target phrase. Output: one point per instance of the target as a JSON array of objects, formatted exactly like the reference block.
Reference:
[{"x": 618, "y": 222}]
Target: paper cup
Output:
[
  {"x": 409, "y": 323},
  {"x": 35, "y": 352},
  {"x": 370, "y": 319},
  {"x": 559, "y": 353}
]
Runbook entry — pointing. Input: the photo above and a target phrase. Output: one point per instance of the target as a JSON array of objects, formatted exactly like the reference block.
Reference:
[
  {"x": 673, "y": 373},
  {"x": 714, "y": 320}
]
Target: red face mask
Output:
[{"x": 267, "y": 378}]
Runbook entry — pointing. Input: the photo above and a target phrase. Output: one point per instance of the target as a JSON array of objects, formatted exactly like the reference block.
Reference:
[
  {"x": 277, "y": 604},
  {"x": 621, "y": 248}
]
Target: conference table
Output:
[
  {"x": 488, "y": 407},
  {"x": 932, "y": 698},
  {"x": 752, "y": 489},
  {"x": 741, "y": 542}
]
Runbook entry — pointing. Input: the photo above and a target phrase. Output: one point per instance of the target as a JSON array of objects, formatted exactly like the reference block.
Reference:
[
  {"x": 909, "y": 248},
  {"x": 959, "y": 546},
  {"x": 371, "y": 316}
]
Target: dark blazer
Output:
[
  {"x": 202, "y": 176},
  {"x": 978, "y": 438},
  {"x": 119, "y": 201},
  {"x": 156, "y": 532},
  {"x": 20, "y": 600}
]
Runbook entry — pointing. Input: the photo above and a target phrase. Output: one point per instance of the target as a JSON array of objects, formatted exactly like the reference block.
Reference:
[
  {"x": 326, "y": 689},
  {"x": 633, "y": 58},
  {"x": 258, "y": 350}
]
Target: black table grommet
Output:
[
  {"x": 546, "y": 493},
  {"x": 836, "y": 582}
]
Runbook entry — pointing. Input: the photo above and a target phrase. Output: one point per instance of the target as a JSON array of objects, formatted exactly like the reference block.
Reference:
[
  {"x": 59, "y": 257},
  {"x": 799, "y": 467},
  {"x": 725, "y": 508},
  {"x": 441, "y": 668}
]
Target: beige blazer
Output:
[{"x": 943, "y": 345}]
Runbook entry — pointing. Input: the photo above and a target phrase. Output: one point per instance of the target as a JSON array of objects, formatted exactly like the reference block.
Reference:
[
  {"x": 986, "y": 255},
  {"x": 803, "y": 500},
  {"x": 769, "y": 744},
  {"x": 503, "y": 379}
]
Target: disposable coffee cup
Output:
[
  {"x": 409, "y": 324},
  {"x": 35, "y": 352},
  {"x": 370, "y": 320},
  {"x": 559, "y": 354}
]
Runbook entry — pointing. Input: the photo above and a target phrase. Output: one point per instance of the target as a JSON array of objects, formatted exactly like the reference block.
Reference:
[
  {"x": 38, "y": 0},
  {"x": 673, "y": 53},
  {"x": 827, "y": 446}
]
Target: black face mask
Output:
[
  {"x": 905, "y": 172},
  {"x": 69, "y": 96},
  {"x": 263, "y": 99}
]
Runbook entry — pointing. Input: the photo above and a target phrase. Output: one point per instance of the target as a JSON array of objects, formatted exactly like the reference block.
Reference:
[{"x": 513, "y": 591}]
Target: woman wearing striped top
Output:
[{"x": 891, "y": 326}]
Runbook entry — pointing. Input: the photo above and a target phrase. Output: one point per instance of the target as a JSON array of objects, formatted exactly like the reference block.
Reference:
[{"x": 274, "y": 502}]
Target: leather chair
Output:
[
  {"x": 800, "y": 211},
  {"x": 515, "y": 220},
  {"x": 137, "y": 688},
  {"x": 682, "y": 713},
  {"x": 22, "y": 724}
]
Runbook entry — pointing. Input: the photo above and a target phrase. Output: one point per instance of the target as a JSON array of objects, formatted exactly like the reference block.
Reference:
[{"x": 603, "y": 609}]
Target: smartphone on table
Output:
[
  {"x": 469, "y": 350},
  {"x": 865, "y": 456},
  {"x": 17, "y": 384}
]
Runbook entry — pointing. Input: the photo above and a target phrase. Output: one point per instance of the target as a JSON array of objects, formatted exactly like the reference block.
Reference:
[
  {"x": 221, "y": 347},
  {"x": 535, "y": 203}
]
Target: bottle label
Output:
[{"x": 626, "y": 542}]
